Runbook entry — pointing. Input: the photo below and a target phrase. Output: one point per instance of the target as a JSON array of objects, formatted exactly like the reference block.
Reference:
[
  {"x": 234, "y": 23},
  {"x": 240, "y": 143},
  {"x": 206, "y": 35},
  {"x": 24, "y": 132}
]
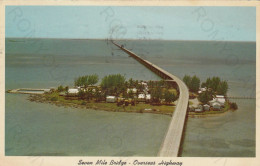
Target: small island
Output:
[
  {"x": 116, "y": 94},
  {"x": 209, "y": 97}
]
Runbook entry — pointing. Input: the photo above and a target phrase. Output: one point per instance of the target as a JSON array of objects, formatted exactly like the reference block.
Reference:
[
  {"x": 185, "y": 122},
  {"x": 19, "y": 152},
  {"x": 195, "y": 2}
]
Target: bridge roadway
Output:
[{"x": 173, "y": 138}]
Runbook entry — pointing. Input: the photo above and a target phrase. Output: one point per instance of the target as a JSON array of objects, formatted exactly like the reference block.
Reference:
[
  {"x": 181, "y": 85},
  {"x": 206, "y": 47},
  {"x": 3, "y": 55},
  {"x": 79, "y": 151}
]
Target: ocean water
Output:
[{"x": 44, "y": 129}]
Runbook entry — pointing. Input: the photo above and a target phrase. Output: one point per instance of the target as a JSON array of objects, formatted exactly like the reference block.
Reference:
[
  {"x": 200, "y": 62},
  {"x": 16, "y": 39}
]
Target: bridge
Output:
[{"x": 173, "y": 138}]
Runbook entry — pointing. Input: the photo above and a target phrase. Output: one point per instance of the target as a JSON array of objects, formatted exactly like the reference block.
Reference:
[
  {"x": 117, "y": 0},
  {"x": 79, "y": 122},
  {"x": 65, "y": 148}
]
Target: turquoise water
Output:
[{"x": 44, "y": 129}]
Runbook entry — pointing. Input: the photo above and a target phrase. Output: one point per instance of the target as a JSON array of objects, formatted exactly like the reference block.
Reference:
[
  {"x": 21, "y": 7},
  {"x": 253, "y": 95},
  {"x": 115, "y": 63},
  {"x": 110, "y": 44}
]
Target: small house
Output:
[
  {"x": 199, "y": 109},
  {"x": 144, "y": 84},
  {"x": 220, "y": 96},
  {"x": 202, "y": 90},
  {"x": 73, "y": 92},
  {"x": 47, "y": 90},
  {"x": 111, "y": 99},
  {"x": 206, "y": 107},
  {"x": 147, "y": 97},
  {"x": 216, "y": 106},
  {"x": 212, "y": 101},
  {"x": 62, "y": 94},
  {"x": 221, "y": 101},
  {"x": 141, "y": 97}
]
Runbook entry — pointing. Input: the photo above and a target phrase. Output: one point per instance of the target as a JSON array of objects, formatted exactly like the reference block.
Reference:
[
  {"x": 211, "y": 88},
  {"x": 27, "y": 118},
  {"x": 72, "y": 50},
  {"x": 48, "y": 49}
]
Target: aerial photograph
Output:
[{"x": 147, "y": 81}]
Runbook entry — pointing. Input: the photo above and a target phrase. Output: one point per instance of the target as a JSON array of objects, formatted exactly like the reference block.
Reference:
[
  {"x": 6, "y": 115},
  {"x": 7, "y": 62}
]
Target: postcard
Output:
[{"x": 91, "y": 83}]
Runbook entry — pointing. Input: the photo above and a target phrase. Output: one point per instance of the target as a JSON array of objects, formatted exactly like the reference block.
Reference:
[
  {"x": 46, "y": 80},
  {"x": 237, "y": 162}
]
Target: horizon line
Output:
[{"x": 246, "y": 41}]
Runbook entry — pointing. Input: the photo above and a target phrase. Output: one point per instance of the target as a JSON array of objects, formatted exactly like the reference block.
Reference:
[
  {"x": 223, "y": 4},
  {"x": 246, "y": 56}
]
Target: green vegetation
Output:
[
  {"x": 127, "y": 93},
  {"x": 66, "y": 89},
  {"x": 87, "y": 80},
  {"x": 156, "y": 94},
  {"x": 211, "y": 111},
  {"x": 54, "y": 98},
  {"x": 187, "y": 80},
  {"x": 205, "y": 97},
  {"x": 222, "y": 88},
  {"x": 211, "y": 87},
  {"x": 160, "y": 91},
  {"x": 226, "y": 106},
  {"x": 80, "y": 103},
  {"x": 216, "y": 85},
  {"x": 193, "y": 83},
  {"x": 160, "y": 83},
  {"x": 169, "y": 97},
  {"x": 60, "y": 88},
  {"x": 113, "y": 84},
  {"x": 83, "y": 103},
  {"x": 233, "y": 106}
]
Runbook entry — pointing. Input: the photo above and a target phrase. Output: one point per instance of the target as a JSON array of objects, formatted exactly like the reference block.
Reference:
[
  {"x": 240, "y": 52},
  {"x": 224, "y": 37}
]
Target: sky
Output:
[{"x": 115, "y": 22}]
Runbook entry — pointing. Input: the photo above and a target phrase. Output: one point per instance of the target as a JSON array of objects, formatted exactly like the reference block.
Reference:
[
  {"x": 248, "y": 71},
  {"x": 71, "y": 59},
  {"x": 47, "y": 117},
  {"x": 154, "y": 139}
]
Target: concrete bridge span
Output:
[{"x": 172, "y": 141}]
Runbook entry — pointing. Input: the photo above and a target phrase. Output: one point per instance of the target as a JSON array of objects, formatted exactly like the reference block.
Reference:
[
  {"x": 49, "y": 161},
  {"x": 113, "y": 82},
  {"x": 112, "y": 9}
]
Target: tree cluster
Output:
[
  {"x": 233, "y": 106},
  {"x": 158, "y": 93},
  {"x": 61, "y": 88},
  {"x": 87, "y": 80},
  {"x": 205, "y": 97},
  {"x": 169, "y": 97},
  {"x": 113, "y": 84},
  {"x": 193, "y": 83},
  {"x": 89, "y": 94},
  {"x": 216, "y": 85}
]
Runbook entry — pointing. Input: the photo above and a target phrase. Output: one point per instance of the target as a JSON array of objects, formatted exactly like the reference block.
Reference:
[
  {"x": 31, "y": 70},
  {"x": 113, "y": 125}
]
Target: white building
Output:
[
  {"x": 198, "y": 110},
  {"x": 73, "y": 92},
  {"x": 220, "y": 96},
  {"x": 219, "y": 100},
  {"x": 202, "y": 90},
  {"x": 111, "y": 99},
  {"x": 216, "y": 106},
  {"x": 47, "y": 90},
  {"x": 148, "y": 97},
  {"x": 206, "y": 107},
  {"x": 144, "y": 83},
  {"x": 141, "y": 97},
  {"x": 134, "y": 90}
]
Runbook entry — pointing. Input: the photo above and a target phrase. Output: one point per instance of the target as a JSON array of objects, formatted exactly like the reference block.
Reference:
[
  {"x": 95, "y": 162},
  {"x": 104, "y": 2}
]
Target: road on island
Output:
[{"x": 173, "y": 138}]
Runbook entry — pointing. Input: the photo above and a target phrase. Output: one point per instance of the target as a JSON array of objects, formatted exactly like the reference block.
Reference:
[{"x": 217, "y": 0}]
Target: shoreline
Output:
[
  {"x": 101, "y": 106},
  {"x": 199, "y": 115}
]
